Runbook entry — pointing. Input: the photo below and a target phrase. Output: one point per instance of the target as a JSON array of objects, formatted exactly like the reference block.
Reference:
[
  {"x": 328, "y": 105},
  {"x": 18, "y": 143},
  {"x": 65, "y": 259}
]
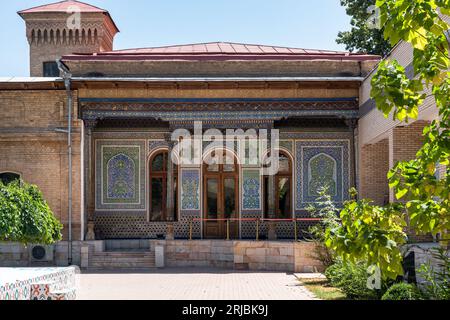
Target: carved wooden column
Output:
[
  {"x": 352, "y": 123},
  {"x": 89, "y": 196},
  {"x": 170, "y": 214},
  {"x": 272, "y": 226}
]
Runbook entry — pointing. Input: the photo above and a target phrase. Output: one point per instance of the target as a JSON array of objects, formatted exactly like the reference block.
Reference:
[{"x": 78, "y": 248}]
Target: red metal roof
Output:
[
  {"x": 67, "y": 7},
  {"x": 63, "y": 6},
  {"x": 221, "y": 51},
  {"x": 223, "y": 48}
]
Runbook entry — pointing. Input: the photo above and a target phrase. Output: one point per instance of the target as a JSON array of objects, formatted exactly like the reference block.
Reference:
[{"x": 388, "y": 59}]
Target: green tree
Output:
[
  {"x": 25, "y": 216},
  {"x": 361, "y": 37},
  {"x": 325, "y": 209},
  {"x": 371, "y": 231}
]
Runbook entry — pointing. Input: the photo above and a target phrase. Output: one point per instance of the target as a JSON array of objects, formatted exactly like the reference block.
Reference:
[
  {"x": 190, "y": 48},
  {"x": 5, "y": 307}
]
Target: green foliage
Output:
[
  {"x": 437, "y": 286},
  {"x": 361, "y": 38},
  {"x": 419, "y": 23},
  {"x": 412, "y": 21},
  {"x": 325, "y": 209},
  {"x": 402, "y": 291},
  {"x": 25, "y": 216},
  {"x": 369, "y": 233},
  {"x": 351, "y": 278},
  {"x": 375, "y": 233},
  {"x": 391, "y": 89}
]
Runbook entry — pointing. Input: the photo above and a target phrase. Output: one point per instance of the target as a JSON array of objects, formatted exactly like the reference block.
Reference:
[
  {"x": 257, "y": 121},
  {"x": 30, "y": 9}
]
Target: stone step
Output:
[
  {"x": 121, "y": 265},
  {"x": 122, "y": 260},
  {"x": 127, "y": 256},
  {"x": 143, "y": 259}
]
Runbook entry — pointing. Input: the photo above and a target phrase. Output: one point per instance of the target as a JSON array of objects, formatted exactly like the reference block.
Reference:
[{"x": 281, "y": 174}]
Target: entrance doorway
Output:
[{"x": 221, "y": 196}]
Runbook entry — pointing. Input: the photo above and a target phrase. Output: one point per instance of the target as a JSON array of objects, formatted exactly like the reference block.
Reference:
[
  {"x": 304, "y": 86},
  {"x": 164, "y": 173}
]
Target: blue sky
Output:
[{"x": 311, "y": 24}]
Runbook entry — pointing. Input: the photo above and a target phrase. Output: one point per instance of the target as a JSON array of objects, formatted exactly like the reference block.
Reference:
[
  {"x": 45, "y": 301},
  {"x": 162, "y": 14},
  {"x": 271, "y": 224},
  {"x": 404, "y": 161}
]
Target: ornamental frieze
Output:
[{"x": 282, "y": 105}]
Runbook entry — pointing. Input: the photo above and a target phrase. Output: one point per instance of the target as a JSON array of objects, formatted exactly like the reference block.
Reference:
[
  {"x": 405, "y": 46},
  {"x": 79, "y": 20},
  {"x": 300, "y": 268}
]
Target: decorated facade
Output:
[{"x": 127, "y": 104}]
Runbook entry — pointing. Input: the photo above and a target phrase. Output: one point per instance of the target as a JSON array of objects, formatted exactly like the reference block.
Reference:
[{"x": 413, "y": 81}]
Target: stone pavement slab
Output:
[
  {"x": 310, "y": 276},
  {"x": 191, "y": 284}
]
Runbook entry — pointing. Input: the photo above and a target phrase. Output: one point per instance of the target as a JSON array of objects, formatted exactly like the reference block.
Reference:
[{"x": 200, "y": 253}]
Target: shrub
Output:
[
  {"x": 351, "y": 279},
  {"x": 325, "y": 209},
  {"x": 437, "y": 277},
  {"x": 25, "y": 216},
  {"x": 402, "y": 291}
]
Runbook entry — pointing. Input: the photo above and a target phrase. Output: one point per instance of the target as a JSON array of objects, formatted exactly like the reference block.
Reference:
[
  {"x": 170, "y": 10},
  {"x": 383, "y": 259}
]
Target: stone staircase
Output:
[
  {"x": 123, "y": 254},
  {"x": 122, "y": 260}
]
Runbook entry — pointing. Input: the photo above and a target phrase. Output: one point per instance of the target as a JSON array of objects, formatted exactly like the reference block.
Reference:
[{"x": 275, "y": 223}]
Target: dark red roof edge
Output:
[
  {"x": 45, "y": 5},
  {"x": 218, "y": 57}
]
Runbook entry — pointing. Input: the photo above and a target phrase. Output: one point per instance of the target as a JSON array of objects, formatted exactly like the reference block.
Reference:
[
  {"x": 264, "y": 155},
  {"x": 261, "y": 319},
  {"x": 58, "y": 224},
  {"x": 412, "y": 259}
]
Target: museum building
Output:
[{"x": 125, "y": 105}]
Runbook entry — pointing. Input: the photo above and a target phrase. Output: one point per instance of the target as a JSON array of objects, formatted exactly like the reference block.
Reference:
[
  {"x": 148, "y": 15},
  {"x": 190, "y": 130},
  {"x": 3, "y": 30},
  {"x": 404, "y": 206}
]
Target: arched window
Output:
[
  {"x": 8, "y": 177},
  {"x": 158, "y": 187},
  {"x": 283, "y": 189}
]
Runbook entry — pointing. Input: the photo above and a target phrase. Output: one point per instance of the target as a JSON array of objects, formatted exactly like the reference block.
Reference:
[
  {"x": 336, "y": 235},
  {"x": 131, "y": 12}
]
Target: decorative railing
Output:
[{"x": 257, "y": 221}]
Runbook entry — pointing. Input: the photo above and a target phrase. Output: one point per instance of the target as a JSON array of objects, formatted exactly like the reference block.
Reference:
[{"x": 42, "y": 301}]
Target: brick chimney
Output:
[{"x": 63, "y": 28}]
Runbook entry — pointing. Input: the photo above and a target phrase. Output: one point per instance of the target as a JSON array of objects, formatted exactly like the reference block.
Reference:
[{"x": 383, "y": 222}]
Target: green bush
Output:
[
  {"x": 325, "y": 209},
  {"x": 351, "y": 279},
  {"x": 402, "y": 291},
  {"x": 25, "y": 216},
  {"x": 437, "y": 276}
]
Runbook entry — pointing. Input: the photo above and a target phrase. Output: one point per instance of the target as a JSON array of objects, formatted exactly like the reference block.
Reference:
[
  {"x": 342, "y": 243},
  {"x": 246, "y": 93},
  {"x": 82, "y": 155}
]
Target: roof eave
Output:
[{"x": 215, "y": 57}]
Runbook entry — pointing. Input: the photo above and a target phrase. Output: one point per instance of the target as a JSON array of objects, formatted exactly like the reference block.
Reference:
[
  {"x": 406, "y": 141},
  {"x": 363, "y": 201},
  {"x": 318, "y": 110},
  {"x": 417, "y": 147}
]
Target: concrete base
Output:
[
  {"x": 241, "y": 255},
  {"x": 286, "y": 256},
  {"x": 159, "y": 257}
]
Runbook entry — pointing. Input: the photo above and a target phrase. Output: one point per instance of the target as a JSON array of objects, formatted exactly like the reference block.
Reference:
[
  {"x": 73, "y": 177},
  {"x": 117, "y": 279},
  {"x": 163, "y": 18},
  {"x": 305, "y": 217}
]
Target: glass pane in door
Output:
[
  {"x": 158, "y": 163},
  {"x": 229, "y": 187},
  {"x": 212, "y": 196},
  {"x": 284, "y": 197},
  {"x": 157, "y": 199},
  {"x": 284, "y": 164},
  {"x": 228, "y": 165}
]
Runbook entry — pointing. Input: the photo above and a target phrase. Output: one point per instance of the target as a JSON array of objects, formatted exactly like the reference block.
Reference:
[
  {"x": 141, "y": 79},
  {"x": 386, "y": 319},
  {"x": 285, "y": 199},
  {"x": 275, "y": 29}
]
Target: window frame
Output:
[
  {"x": 279, "y": 176},
  {"x": 54, "y": 64},
  {"x": 162, "y": 174},
  {"x": 11, "y": 173}
]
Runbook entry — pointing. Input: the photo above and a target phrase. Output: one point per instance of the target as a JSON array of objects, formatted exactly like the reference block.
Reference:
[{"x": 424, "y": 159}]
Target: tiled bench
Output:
[
  {"x": 47, "y": 291},
  {"x": 38, "y": 283}
]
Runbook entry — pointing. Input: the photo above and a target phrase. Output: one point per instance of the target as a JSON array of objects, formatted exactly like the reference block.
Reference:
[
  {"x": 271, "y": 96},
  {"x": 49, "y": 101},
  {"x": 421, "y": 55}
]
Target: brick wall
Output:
[
  {"x": 374, "y": 166},
  {"x": 30, "y": 146},
  {"x": 222, "y": 68},
  {"x": 405, "y": 142}
]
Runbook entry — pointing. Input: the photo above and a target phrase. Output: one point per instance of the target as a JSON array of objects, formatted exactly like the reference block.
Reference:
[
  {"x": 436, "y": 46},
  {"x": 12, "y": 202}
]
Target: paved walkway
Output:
[{"x": 191, "y": 284}]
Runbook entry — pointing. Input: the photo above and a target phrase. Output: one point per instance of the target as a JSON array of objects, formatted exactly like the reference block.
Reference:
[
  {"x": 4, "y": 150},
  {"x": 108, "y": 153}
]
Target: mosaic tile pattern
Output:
[
  {"x": 190, "y": 190},
  {"x": 287, "y": 144},
  {"x": 58, "y": 278},
  {"x": 284, "y": 229},
  {"x": 156, "y": 144},
  {"x": 120, "y": 175},
  {"x": 248, "y": 228},
  {"x": 322, "y": 162},
  {"x": 125, "y": 226},
  {"x": 322, "y": 174},
  {"x": 251, "y": 190},
  {"x": 215, "y": 115}
]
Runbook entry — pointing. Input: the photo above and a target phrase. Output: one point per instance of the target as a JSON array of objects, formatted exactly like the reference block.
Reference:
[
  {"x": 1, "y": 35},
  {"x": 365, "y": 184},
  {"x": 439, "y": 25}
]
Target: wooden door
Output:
[{"x": 221, "y": 201}]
